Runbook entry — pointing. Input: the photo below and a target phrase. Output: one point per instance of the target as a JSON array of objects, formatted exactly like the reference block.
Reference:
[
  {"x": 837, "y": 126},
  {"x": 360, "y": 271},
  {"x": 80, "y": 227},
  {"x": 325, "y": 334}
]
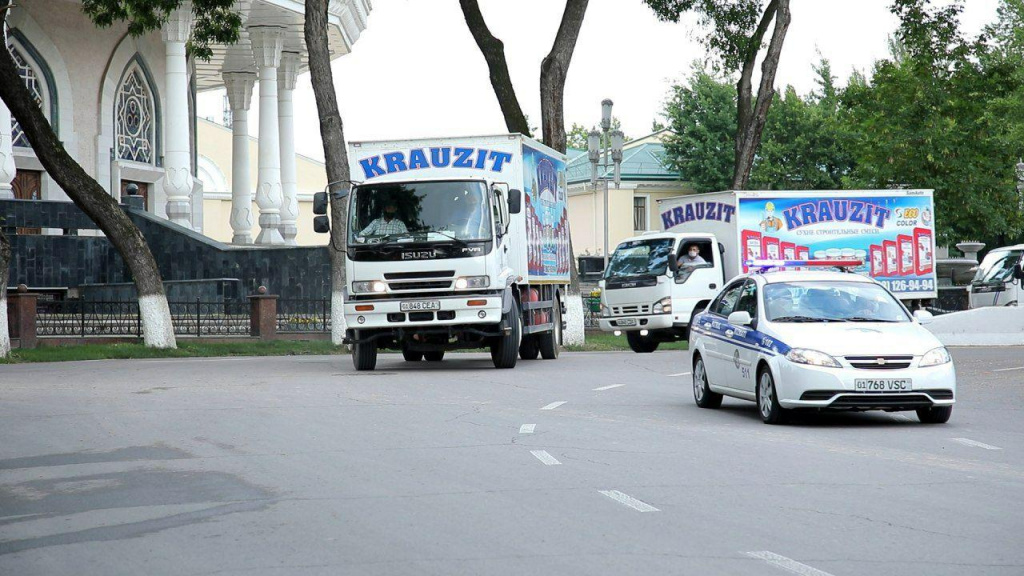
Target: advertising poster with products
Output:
[
  {"x": 547, "y": 216},
  {"x": 893, "y": 235}
]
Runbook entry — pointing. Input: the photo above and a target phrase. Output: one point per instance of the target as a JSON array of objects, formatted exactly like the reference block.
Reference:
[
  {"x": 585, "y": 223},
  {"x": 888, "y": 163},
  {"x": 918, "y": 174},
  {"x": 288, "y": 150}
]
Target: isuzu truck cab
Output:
[{"x": 651, "y": 288}]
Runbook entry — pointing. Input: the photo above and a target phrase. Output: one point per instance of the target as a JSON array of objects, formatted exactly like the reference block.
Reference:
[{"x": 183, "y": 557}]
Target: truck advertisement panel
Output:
[
  {"x": 547, "y": 216},
  {"x": 891, "y": 235}
]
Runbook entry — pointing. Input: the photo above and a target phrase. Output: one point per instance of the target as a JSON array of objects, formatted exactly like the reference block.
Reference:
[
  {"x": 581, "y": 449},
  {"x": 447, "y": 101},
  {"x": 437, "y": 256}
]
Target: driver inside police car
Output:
[{"x": 386, "y": 224}]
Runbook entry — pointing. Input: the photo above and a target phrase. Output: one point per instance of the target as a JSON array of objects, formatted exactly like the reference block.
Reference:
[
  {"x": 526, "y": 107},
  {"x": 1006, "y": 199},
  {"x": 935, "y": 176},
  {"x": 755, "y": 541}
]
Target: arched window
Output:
[
  {"x": 135, "y": 117},
  {"x": 33, "y": 80}
]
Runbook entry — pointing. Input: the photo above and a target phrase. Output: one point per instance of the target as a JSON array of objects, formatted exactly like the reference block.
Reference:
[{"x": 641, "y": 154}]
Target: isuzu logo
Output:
[
  {"x": 418, "y": 255},
  {"x": 880, "y": 361},
  {"x": 629, "y": 284}
]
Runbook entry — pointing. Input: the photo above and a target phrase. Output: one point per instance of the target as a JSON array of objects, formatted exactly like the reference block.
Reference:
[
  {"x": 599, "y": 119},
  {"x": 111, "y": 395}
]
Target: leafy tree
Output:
[
  {"x": 214, "y": 21},
  {"x": 736, "y": 31},
  {"x": 578, "y": 134}
]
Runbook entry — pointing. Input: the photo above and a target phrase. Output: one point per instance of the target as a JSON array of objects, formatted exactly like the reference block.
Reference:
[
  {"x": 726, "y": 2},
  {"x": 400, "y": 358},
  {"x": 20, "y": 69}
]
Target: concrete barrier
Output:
[{"x": 1003, "y": 326}]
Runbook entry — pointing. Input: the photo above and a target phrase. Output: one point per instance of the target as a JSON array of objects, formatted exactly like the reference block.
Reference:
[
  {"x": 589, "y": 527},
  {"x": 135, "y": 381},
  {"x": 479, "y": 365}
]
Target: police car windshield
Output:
[
  {"x": 833, "y": 301},
  {"x": 419, "y": 212},
  {"x": 640, "y": 258}
]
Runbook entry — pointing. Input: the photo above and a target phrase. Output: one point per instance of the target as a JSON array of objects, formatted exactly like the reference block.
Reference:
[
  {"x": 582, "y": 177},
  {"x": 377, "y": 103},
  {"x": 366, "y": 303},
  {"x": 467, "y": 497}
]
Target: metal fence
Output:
[
  {"x": 591, "y": 311},
  {"x": 81, "y": 318},
  {"x": 199, "y": 318},
  {"x": 298, "y": 316}
]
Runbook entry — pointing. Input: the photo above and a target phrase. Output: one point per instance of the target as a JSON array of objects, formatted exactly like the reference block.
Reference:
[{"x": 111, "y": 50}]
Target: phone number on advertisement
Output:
[{"x": 923, "y": 285}]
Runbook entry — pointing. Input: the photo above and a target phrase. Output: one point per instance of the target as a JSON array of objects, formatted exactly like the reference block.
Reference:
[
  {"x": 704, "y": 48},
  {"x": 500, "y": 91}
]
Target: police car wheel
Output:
[
  {"x": 768, "y": 399},
  {"x": 935, "y": 414},
  {"x": 702, "y": 393}
]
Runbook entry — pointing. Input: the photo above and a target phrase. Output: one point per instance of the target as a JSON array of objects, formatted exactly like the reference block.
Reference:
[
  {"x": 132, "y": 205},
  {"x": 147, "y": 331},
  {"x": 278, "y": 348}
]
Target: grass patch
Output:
[
  {"x": 190, "y": 349},
  {"x": 608, "y": 342}
]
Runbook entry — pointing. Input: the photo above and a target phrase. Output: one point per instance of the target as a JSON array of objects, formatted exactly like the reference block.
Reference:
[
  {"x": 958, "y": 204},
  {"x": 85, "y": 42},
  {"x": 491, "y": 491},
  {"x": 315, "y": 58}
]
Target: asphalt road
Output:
[{"x": 591, "y": 464}]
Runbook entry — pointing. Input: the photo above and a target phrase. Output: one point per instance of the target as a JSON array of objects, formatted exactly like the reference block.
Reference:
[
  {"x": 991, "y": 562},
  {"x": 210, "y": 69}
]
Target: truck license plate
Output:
[
  {"x": 626, "y": 322},
  {"x": 419, "y": 305},
  {"x": 882, "y": 385}
]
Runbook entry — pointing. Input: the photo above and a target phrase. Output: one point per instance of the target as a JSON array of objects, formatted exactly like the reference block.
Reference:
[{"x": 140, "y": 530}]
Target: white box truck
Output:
[
  {"x": 999, "y": 279},
  {"x": 456, "y": 243},
  {"x": 892, "y": 232}
]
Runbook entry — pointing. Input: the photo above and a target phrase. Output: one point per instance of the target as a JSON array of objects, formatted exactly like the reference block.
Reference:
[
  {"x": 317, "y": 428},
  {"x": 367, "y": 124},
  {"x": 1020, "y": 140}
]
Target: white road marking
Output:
[
  {"x": 680, "y": 374},
  {"x": 1009, "y": 369},
  {"x": 527, "y": 428},
  {"x": 608, "y": 387},
  {"x": 628, "y": 500},
  {"x": 787, "y": 564},
  {"x": 553, "y": 405},
  {"x": 544, "y": 457},
  {"x": 975, "y": 443}
]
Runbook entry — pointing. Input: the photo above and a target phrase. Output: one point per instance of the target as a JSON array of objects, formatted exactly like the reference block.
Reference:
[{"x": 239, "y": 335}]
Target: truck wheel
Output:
[
  {"x": 528, "y": 349},
  {"x": 641, "y": 344},
  {"x": 411, "y": 356},
  {"x": 505, "y": 351},
  {"x": 549, "y": 340},
  {"x": 436, "y": 356},
  {"x": 364, "y": 355}
]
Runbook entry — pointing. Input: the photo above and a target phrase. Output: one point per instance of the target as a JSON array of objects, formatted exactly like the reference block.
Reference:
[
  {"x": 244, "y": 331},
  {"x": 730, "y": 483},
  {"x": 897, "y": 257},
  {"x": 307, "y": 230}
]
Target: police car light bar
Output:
[{"x": 765, "y": 265}]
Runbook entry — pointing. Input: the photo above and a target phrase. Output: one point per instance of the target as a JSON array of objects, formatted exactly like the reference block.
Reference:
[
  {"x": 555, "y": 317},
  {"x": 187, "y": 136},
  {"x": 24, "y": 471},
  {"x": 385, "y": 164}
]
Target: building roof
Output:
[{"x": 642, "y": 159}]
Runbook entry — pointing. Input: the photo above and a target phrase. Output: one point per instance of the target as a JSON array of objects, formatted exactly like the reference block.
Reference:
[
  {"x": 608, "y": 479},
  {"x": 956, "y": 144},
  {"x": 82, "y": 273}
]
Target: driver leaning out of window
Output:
[{"x": 386, "y": 224}]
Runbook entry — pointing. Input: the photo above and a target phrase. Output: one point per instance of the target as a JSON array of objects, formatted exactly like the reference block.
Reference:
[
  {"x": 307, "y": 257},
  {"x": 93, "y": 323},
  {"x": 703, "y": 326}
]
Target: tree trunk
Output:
[
  {"x": 494, "y": 53},
  {"x": 332, "y": 133},
  {"x": 88, "y": 195},
  {"x": 750, "y": 119},
  {"x": 553, "y": 72},
  {"x": 5, "y": 262}
]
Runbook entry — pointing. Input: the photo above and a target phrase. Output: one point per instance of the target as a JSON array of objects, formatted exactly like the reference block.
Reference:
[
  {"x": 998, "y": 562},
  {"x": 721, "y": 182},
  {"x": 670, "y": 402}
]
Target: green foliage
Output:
[
  {"x": 185, "y": 349},
  {"x": 729, "y": 24},
  {"x": 215, "y": 21},
  {"x": 576, "y": 137}
]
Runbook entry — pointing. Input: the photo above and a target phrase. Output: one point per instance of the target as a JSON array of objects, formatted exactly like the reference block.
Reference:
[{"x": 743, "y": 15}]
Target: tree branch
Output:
[
  {"x": 494, "y": 54},
  {"x": 743, "y": 86},
  {"x": 553, "y": 72}
]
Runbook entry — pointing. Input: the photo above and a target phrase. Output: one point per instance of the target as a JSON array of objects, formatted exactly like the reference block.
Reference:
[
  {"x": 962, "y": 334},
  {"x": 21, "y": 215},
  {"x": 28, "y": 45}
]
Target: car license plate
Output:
[
  {"x": 419, "y": 305},
  {"x": 882, "y": 385},
  {"x": 626, "y": 322}
]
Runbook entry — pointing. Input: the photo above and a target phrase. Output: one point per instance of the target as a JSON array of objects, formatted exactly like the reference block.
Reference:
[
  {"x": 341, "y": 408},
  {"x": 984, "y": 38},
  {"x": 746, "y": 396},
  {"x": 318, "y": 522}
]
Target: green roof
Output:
[{"x": 643, "y": 162}]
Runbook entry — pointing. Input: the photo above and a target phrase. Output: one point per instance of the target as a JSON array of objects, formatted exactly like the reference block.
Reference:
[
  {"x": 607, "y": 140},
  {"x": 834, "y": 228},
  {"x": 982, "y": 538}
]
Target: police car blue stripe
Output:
[{"x": 742, "y": 337}]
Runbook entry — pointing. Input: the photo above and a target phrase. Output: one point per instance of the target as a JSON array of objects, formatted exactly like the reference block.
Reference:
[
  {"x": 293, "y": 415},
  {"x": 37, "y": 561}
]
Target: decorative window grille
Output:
[
  {"x": 134, "y": 119},
  {"x": 35, "y": 87},
  {"x": 639, "y": 213}
]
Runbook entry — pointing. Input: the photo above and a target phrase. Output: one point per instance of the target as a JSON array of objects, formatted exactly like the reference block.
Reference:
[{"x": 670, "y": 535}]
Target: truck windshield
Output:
[
  {"x": 640, "y": 258},
  {"x": 419, "y": 212},
  {"x": 822, "y": 301},
  {"x": 997, "y": 267}
]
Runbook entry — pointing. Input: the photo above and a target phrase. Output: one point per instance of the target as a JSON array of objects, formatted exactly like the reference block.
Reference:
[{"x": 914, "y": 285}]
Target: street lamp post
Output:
[{"x": 611, "y": 142}]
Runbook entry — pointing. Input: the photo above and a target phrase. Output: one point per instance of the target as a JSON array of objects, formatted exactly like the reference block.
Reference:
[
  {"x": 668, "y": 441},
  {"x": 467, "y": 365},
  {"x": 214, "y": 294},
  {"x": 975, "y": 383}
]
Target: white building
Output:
[{"x": 122, "y": 107}]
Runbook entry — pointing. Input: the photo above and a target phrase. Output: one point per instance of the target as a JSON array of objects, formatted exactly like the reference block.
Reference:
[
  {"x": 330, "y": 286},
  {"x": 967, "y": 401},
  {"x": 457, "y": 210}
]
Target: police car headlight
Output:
[
  {"x": 472, "y": 282},
  {"x": 663, "y": 306},
  {"x": 935, "y": 357},
  {"x": 370, "y": 286},
  {"x": 812, "y": 358}
]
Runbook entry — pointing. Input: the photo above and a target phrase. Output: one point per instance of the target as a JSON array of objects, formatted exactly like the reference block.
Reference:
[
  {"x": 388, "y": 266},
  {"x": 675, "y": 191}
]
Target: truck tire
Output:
[
  {"x": 411, "y": 356},
  {"x": 505, "y": 351},
  {"x": 435, "y": 356},
  {"x": 529, "y": 349},
  {"x": 364, "y": 355},
  {"x": 549, "y": 341},
  {"x": 641, "y": 344}
]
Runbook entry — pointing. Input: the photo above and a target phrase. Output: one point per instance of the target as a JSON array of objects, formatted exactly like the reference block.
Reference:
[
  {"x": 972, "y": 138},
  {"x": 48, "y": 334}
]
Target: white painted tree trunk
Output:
[
  {"x": 157, "y": 330},
  {"x": 337, "y": 318},
  {"x": 5, "y": 337},
  {"x": 574, "y": 334}
]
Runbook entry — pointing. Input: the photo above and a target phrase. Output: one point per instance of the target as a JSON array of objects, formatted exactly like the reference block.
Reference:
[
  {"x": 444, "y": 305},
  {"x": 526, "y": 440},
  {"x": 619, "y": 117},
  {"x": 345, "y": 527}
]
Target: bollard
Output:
[
  {"x": 263, "y": 314},
  {"x": 21, "y": 316}
]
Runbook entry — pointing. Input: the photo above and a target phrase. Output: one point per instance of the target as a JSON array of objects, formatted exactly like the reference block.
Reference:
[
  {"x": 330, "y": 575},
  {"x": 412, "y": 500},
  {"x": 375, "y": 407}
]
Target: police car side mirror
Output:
[
  {"x": 320, "y": 203},
  {"x": 321, "y": 224},
  {"x": 515, "y": 201},
  {"x": 923, "y": 316},
  {"x": 740, "y": 318}
]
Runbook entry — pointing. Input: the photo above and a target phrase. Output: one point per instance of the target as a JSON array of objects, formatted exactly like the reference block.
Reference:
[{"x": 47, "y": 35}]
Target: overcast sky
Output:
[{"x": 416, "y": 71}]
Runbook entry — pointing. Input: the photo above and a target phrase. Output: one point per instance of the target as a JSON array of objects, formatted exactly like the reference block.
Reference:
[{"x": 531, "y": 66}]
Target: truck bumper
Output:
[
  {"x": 453, "y": 310},
  {"x": 649, "y": 322}
]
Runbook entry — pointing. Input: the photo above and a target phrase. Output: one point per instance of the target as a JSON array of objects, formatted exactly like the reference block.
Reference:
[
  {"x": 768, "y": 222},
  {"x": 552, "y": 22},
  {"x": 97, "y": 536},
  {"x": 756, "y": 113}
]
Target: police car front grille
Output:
[
  {"x": 631, "y": 310},
  {"x": 880, "y": 362},
  {"x": 882, "y": 401}
]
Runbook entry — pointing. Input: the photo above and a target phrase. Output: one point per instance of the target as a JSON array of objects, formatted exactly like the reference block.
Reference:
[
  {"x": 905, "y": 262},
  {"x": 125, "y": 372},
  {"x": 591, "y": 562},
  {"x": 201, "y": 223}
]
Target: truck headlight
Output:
[
  {"x": 369, "y": 286},
  {"x": 663, "y": 306},
  {"x": 606, "y": 311},
  {"x": 472, "y": 282},
  {"x": 812, "y": 358},
  {"x": 935, "y": 357}
]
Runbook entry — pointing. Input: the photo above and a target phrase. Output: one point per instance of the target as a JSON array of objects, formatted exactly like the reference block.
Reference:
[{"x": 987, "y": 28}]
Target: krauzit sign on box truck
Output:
[{"x": 890, "y": 231}]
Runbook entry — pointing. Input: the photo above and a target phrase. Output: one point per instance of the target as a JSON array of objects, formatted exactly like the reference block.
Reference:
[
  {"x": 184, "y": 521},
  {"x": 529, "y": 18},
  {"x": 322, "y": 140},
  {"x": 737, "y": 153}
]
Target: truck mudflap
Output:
[{"x": 448, "y": 331}]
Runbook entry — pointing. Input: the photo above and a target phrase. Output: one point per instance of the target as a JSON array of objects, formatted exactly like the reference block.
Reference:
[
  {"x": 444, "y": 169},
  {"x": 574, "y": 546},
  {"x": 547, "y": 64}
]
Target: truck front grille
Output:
[
  {"x": 631, "y": 310},
  {"x": 424, "y": 285},
  {"x": 419, "y": 275}
]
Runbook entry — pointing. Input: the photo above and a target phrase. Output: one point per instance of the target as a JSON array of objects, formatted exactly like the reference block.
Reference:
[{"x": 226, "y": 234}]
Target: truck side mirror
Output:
[
  {"x": 320, "y": 203},
  {"x": 321, "y": 224},
  {"x": 515, "y": 201},
  {"x": 1018, "y": 270}
]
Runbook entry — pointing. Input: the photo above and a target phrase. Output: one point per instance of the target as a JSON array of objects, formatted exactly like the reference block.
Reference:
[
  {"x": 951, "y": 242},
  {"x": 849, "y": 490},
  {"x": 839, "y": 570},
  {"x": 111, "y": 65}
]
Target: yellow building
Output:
[
  {"x": 632, "y": 207},
  {"x": 214, "y": 171}
]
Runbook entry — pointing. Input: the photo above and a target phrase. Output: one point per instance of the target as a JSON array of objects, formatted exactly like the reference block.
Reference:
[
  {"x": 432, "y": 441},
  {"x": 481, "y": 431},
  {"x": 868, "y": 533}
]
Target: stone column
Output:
[
  {"x": 286, "y": 76},
  {"x": 177, "y": 181},
  {"x": 267, "y": 42},
  {"x": 7, "y": 168},
  {"x": 239, "y": 88}
]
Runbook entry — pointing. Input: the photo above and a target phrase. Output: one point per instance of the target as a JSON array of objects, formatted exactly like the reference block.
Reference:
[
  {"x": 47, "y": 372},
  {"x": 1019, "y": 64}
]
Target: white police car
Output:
[{"x": 797, "y": 339}]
